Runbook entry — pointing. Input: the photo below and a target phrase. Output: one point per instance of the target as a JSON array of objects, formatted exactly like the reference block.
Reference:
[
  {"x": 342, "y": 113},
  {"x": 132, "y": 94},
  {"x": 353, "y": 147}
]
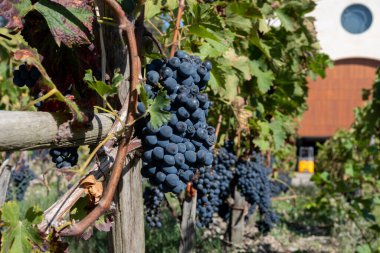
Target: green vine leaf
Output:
[
  {"x": 264, "y": 78},
  {"x": 100, "y": 87},
  {"x": 70, "y": 22},
  {"x": 20, "y": 234},
  {"x": 158, "y": 116}
]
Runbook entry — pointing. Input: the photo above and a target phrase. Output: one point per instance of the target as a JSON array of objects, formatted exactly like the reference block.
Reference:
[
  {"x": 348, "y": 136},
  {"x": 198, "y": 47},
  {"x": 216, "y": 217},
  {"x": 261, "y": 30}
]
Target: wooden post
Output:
[
  {"x": 188, "y": 236},
  {"x": 237, "y": 222},
  {"x": 128, "y": 230},
  {"x": 5, "y": 177}
]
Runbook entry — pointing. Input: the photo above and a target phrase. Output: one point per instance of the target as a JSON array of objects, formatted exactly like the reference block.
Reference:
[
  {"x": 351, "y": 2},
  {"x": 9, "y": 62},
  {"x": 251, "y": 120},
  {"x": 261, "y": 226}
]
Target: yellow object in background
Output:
[
  {"x": 306, "y": 160},
  {"x": 306, "y": 166}
]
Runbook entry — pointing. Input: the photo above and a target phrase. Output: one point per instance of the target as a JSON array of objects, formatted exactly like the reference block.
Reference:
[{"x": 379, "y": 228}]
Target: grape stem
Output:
[
  {"x": 148, "y": 34},
  {"x": 44, "y": 97},
  {"x": 181, "y": 7}
]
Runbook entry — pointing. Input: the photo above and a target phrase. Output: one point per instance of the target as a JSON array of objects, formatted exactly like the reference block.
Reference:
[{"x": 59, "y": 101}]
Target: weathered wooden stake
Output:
[
  {"x": 188, "y": 236},
  {"x": 5, "y": 176},
  {"x": 128, "y": 230},
  {"x": 237, "y": 222}
]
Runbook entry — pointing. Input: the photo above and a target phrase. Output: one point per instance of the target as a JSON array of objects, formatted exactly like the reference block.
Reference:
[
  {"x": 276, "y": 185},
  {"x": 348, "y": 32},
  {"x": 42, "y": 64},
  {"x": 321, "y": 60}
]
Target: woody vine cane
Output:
[{"x": 104, "y": 204}]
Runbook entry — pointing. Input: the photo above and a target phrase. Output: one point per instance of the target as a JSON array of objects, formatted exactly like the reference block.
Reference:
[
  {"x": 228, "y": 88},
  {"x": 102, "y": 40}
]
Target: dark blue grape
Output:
[
  {"x": 207, "y": 65},
  {"x": 182, "y": 113},
  {"x": 172, "y": 180},
  {"x": 166, "y": 72},
  {"x": 174, "y": 63},
  {"x": 190, "y": 157},
  {"x": 158, "y": 153},
  {"x": 153, "y": 77},
  {"x": 169, "y": 170},
  {"x": 169, "y": 160},
  {"x": 166, "y": 132},
  {"x": 151, "y": 140},
  {"x": 185, "y": 69}
]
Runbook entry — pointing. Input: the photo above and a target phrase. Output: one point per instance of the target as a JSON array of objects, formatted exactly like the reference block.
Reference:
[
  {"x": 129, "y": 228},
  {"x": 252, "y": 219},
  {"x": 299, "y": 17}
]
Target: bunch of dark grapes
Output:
[
  {"x": 64, "y": 157},
  {"x": 223, "y": 163},
  {"x": 152, "y": 201},
  {"x": 26, "y": 76},
  {"x": 3, "y": 21},
  {"x": 176, "y": 150},
  {"x": 208, "y": 201},
  {"x": 253, "y": 183},
  {"x": 281, "y": 185},
  {"x": 19, "y": 182}
]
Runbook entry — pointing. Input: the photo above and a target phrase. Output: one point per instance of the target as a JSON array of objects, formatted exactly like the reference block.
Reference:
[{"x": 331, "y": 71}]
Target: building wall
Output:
[
  {"x": 331, "y": 101},
  {"x": 339, "y": 43}
]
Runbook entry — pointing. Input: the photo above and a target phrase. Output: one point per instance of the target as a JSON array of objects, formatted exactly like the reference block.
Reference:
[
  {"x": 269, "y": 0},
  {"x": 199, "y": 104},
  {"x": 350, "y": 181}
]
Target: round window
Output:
[{"x": 356, "y": 18}]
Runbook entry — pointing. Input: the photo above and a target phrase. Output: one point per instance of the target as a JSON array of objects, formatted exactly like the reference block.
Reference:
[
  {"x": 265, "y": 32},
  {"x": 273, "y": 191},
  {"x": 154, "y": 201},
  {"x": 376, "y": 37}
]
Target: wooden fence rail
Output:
[{"x": 22, "y": 130}]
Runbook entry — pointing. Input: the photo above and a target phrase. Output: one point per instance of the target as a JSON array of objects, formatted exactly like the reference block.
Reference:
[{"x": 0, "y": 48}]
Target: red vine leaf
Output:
[
  {"x": 70, "y": 22},
  {"x": 8, "y": 9}
]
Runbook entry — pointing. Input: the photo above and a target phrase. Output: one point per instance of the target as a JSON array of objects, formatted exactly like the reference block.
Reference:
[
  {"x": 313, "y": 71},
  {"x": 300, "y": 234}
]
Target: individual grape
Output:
[
  {"x": 181, "y": 54},
  {"x": 179, "y": 159},
  {"x": 207, "y": 65},
  {"x": 187, "y": 82},
  {"x": 141, "y": 108},
  {"x": 169, "y": 170},
  {"x": 172, "y": 180},
  {"x": 190, "y": 157},
  {"x": 152, "y": 77},
  {"x": 162, "y": 143},
  {"x": 64, "y": 157},
  {"x": 166, "y": 72},
  {"x": 171, "y": 149},
  {"x": 160, "y": 177},
  {"x": 176, "y": 139},
  {"x": 166, "y": 132},
  {"x": 182, "y": 113},
  {"x": 151, "y": 140},
  {"x": 169, "y": 160},
  {"x": 192, "y": 104},
  {"x": 158, "y": 153},
  {"x": 185, "y": 69}
]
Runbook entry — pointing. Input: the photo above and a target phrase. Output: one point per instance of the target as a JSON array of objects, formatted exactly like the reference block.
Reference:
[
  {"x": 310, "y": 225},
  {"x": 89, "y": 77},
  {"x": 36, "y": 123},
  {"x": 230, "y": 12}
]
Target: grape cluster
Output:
[
  {"x": 224, "y": 160},
  {"x": 208, "y": 201},
  {"x": 280, "y": 186},
  {"x": 3, "y": 21},
  {"x": 26, "y": 76},
  {"x": 19, "y": 182},
  {"x": 253, "y": 183},
  {"x": 176, "y": 150},
  {"x": 152, "y": 201},
  {"x": 64, "y": 157}
]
